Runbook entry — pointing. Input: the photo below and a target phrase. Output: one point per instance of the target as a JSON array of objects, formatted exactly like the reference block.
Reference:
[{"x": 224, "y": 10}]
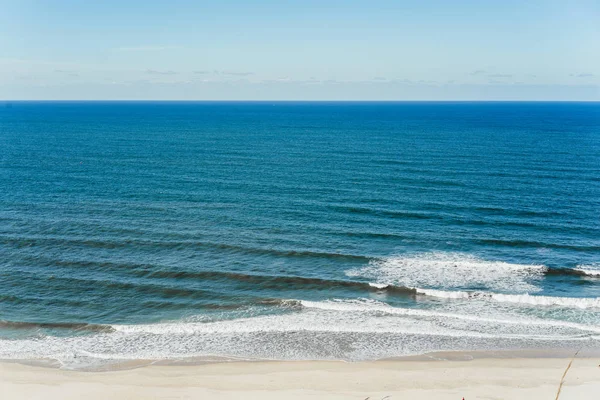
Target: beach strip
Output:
[{"x": 488, "y": 378}]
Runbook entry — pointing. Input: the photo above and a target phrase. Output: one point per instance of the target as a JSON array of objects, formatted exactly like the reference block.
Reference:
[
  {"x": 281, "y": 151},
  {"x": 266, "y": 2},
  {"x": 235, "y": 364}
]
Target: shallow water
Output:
[{"x": 297, "y": 230}]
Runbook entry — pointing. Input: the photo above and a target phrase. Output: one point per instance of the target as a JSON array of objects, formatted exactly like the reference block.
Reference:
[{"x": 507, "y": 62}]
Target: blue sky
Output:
[{"x": 300, "y": 50}]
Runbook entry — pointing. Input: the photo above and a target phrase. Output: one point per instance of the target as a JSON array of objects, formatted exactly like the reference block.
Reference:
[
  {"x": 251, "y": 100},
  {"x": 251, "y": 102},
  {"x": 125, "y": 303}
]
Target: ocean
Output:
[{"x": 296, "y": 230}]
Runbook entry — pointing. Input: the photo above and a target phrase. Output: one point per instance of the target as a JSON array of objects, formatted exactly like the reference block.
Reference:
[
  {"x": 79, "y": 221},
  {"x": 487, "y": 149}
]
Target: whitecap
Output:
[
  {"x": 526, "y": 299},
  {"x": 592, "y": 270},
  {"x": 452, "y": 271}
]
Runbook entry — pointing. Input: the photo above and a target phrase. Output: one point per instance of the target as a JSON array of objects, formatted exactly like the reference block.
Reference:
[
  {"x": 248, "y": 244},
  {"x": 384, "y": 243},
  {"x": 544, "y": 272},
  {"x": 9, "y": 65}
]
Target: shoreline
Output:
[
  {"x": 482, "y": 378},
  {"x": 437, "y": 356}
]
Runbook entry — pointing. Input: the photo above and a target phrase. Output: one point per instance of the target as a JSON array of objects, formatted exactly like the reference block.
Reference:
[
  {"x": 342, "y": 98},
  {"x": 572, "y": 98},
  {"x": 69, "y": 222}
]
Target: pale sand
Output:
[{"x": 507, "y": 379}]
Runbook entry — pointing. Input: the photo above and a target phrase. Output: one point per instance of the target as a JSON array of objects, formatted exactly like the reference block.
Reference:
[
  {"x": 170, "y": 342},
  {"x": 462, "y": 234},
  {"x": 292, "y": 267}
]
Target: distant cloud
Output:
[
  {"x": 73, "y": 74},
  {"x": 499, "y": 76},
  {"x": 202, "y": 72},
  {"x": 582, "y": 75},
  {"x": 379, "y": 78},
  {"x": 155, "y": 72},
  {"x": 478, "y": 72},
  {"x": 146, "y": 48}
]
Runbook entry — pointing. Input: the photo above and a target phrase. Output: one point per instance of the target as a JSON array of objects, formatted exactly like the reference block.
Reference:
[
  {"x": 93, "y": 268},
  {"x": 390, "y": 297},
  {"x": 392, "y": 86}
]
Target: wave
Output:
[
  {"x": 452, "y": 271},
  {"x": 364, "y": 305},
  {"x": 348, "y": 321},
  {"x": 584, "y": 302},
  {"x": 590, "y": 273},
  {"x": 591, "y": 270},
  {"x": 172, "y": 283},
  {"x": 282, "y": 282},
  {"x": 457, "y": 271},
  {"x": 576, "y": 272},
  {"x": 298, "y": 321}
]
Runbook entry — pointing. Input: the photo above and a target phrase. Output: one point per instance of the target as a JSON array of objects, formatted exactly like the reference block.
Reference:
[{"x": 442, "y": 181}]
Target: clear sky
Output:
[{"x": 300, "y": 50}]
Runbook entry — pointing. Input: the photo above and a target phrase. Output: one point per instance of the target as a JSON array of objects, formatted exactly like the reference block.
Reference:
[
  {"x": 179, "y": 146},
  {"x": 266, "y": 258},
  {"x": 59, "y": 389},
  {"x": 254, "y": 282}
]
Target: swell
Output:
[
  {"x": 54, "y": 288},
  {"x": 281, "y": 282},
  {"x": 446, "y": 212},
  {"x": 278, "y": 282},
  {"x": 153, "y": 272},
  {"x": 171, "y": 284},
  {"x": 25, "y": 241}
]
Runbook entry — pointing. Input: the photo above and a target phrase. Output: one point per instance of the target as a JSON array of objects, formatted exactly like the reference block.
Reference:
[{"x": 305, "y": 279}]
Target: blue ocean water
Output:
[{"x": 162, "y": 230}]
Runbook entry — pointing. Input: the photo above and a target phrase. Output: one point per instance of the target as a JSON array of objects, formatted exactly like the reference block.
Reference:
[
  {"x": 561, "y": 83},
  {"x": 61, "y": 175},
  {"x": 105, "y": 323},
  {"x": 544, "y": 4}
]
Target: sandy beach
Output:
[{"x": 488, "y": 378}]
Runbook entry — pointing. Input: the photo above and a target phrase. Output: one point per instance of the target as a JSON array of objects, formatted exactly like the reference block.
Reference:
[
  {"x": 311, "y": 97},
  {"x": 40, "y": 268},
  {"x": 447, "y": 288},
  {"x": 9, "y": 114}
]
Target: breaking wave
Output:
[
  {"x": 591, "y": 270},
  {"x": 452, "y": 271},
  {"x": 527, "y": 299}
]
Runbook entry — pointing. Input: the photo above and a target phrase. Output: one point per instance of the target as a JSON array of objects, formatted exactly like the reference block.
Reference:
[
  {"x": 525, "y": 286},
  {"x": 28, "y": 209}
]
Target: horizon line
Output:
[{"x": 304, "y": 101}]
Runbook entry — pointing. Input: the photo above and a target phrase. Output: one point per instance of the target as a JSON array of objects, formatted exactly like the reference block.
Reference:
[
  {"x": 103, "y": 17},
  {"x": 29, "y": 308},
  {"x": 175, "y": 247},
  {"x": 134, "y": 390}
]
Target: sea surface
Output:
[{"x": 261, "y": 230}]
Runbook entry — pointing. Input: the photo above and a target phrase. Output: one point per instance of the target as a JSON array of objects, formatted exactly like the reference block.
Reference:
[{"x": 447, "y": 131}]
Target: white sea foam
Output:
[
  {"x": 359, "y": 329},
  {"x": 452, "y": 271},
  {"x": 548, "y": 300},
  {"x": 456, "y": 271},
  {"x": 335, "y": 329},
  {"x": 589, "y": 269},
  {"x": 587, "y": 302},
  {"x": 378, "y": 285},
  {"x": 446, "y": 294},
  {"x": 368, "y": 305}
]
